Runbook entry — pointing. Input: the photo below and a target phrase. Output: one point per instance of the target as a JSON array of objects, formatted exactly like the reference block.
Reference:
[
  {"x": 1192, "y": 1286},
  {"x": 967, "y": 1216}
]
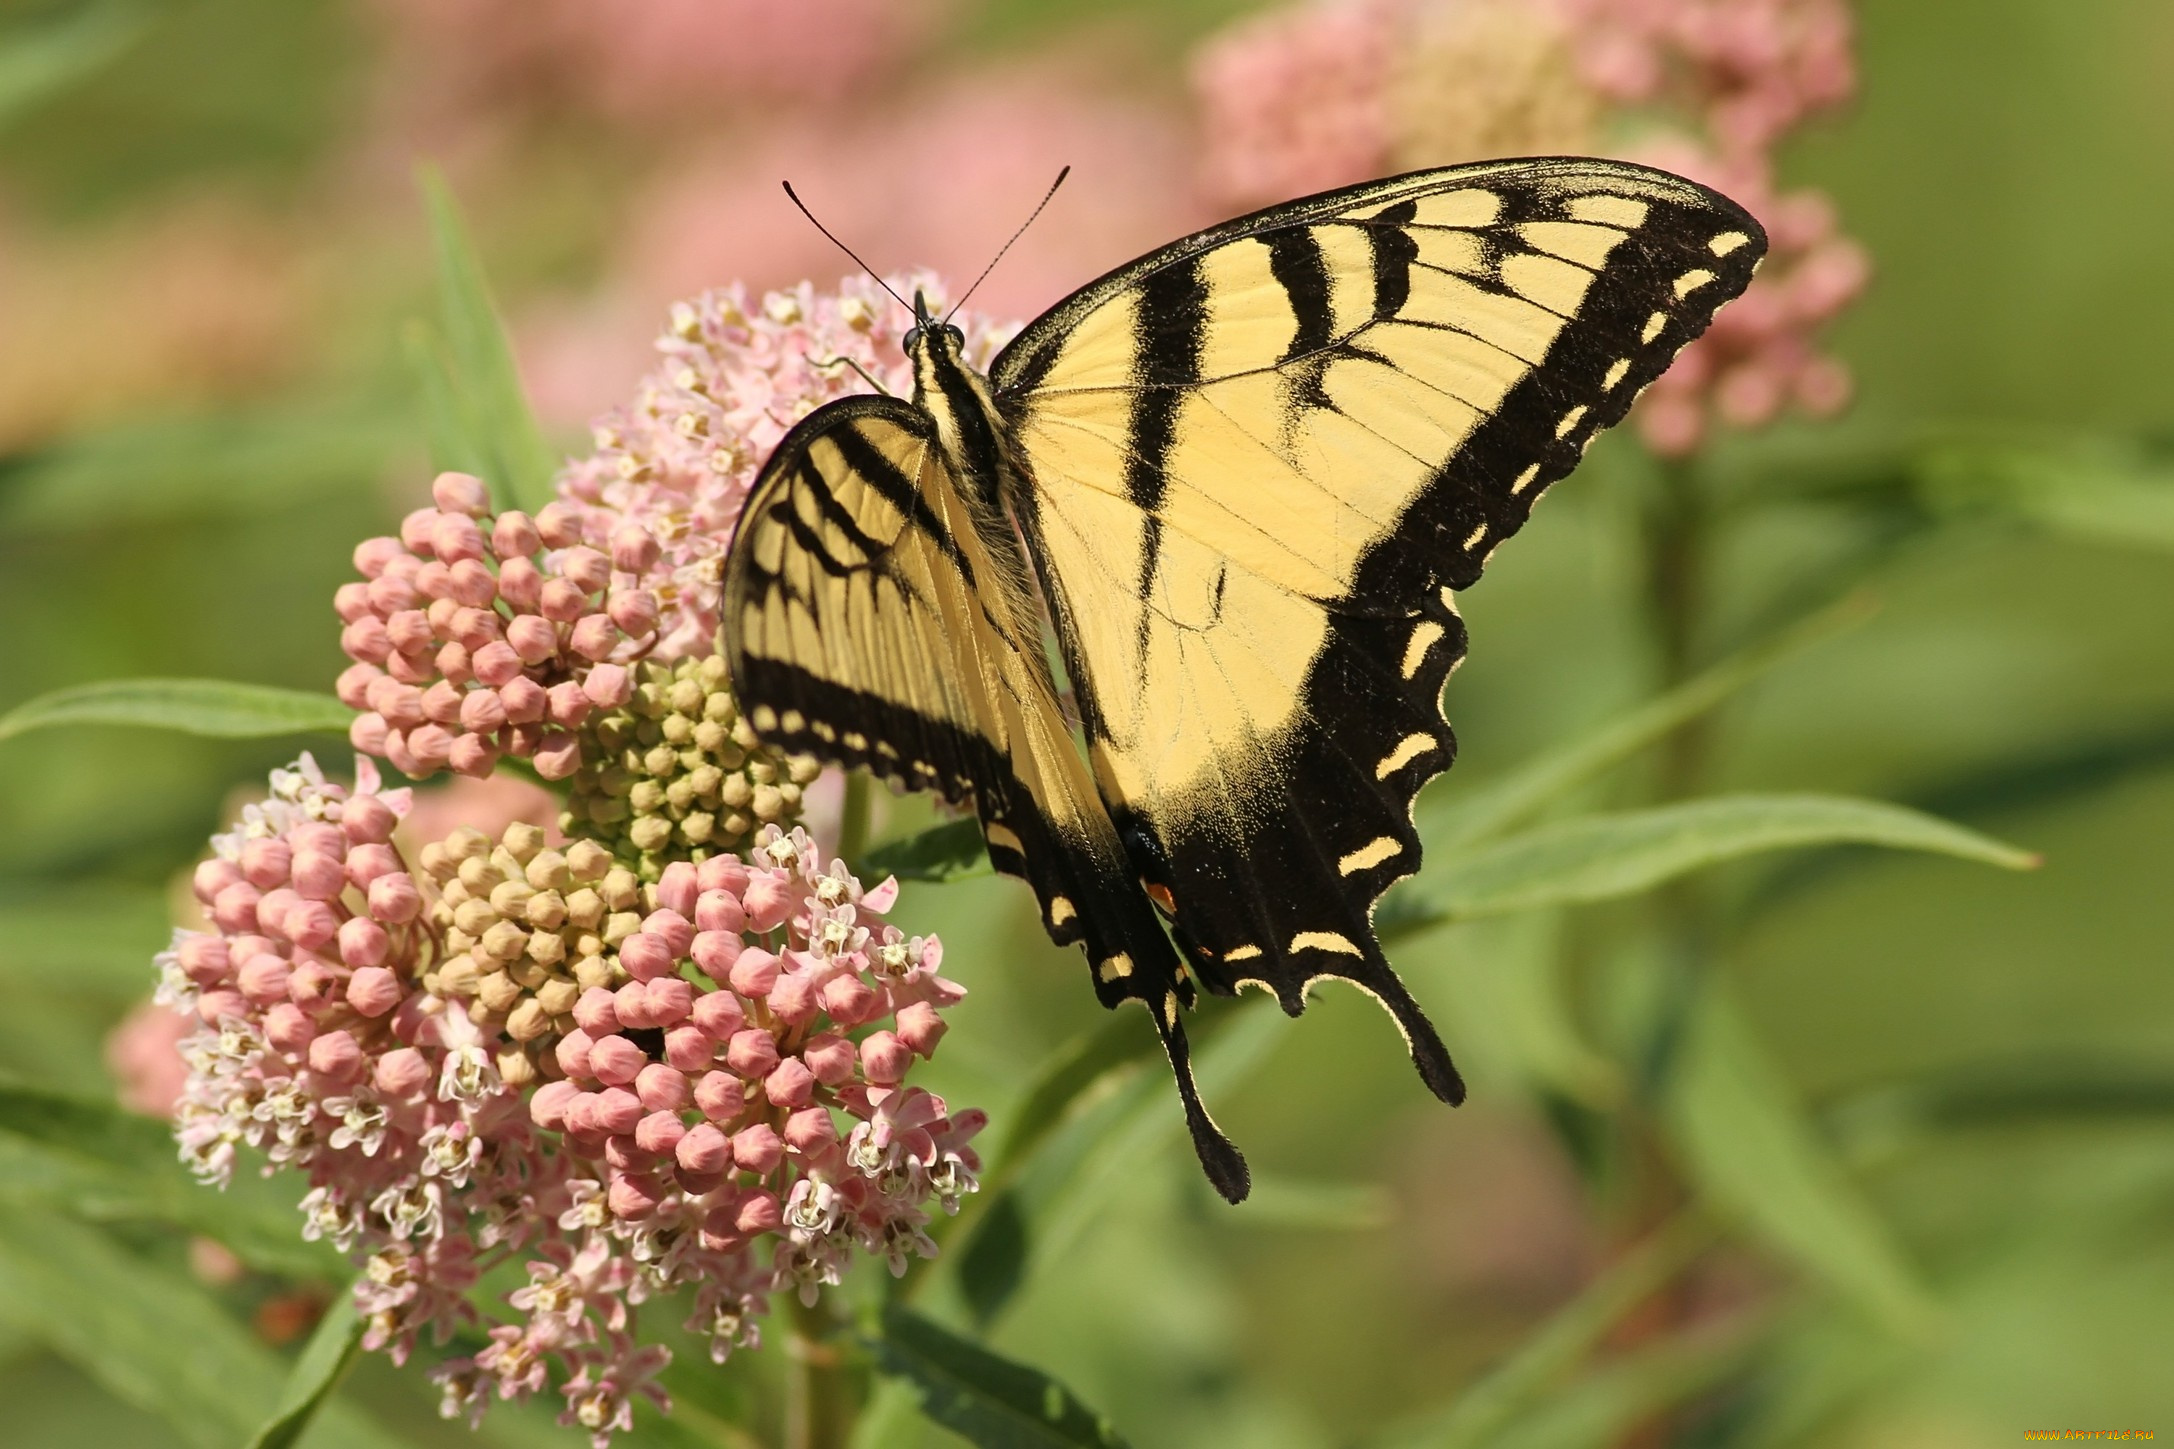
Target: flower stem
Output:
[
  {"x": 820, "y": 1398},
  {"x": 853, "y": 816}
]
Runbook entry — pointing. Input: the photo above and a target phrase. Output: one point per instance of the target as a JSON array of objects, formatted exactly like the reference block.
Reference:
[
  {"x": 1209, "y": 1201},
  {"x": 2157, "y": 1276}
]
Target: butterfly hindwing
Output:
[
  {"x": 1258, "y": 464},
  {"x": 874, "y": 618}
]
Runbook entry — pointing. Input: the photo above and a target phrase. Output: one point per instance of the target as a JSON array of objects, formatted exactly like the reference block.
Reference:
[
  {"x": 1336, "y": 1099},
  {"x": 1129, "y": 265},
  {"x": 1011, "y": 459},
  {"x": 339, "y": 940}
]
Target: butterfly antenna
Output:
[
  {"x": 841, "y": 246},
  {"x": 955, "y": 306}
]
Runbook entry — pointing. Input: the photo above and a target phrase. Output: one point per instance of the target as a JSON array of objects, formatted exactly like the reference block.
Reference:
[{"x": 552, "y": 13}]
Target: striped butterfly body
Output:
[{"x": 1243, "y": 478}]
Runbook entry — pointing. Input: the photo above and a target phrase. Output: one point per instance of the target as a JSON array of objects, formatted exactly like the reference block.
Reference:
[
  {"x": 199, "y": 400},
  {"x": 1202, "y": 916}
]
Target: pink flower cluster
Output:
[
  {"x": 690, "y": 1143},
  {"x": 676, "y": 464},
  {"x": 1334, "y": 91},
  {"x": 467, "y": 648}
]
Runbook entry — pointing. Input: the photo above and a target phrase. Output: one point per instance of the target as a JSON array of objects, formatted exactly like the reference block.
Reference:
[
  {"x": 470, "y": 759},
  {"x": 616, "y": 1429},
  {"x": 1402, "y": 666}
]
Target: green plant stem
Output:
[
  {"x": 853, "y": 816},
  {"x": 821, "y": 1398}
]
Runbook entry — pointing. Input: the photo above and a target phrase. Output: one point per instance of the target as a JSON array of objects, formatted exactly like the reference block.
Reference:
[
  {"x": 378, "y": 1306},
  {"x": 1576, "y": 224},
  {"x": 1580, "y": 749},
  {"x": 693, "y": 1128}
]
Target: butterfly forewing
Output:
[{"x": 1256, "y": 466}]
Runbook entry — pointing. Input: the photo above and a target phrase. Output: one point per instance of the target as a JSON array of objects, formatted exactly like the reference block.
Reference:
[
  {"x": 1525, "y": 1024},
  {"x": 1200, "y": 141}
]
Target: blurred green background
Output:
[{"x": 209, "y": 242}]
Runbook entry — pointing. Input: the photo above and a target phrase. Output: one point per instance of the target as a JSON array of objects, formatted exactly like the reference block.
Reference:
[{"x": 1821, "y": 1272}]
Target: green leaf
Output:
[
  {"x": 1509, "y": 976},
  {"x": 1561, "y": 1343},
  {"x": 986, "y": 1399},
  {"x": 1605, "y": 1406},
  {"x": 948, "y": 851},
  {"x": 1600, "y": 857},
  {"x": 192, "y": 706},
  {"x": 315, "y": 1375},
  {"x": 1300, "y": 1205},
  {"x": 1748, "y": 1146},
  {"x": 447, "y": 422},
  {"x": 1522, "y": 792},
  {"x": 103, "y": 1163},
  {"x": 2095, "y": 491},
  {"x": 42, "y": 60},
  {"x": 152, "y": 1337},
  {"x": 487, "y": 383},
  {"x": 96, "y": 937}
]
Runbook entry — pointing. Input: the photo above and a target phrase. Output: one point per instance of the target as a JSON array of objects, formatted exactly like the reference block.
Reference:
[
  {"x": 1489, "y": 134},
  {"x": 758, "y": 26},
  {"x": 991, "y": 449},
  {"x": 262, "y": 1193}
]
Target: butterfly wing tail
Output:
[{"x": 1219, "y": 1156}]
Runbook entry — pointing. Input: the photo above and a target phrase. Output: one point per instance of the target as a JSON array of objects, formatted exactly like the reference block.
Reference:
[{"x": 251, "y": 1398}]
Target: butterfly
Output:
[{"x": 1241, "y": 481}]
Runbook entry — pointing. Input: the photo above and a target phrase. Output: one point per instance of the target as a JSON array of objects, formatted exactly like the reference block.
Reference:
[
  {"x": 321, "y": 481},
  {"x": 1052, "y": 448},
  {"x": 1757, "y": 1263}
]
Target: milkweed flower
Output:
[
  {"x": 737, "y": 373},
  {"x": 478, "y": 635},
  {"x": 507, "y": 1053}
]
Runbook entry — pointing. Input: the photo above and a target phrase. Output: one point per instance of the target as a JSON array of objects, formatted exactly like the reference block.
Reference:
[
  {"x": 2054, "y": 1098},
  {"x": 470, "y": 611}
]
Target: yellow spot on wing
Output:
[
  {"x": 1470, "y": 207},
  {"x": 1622, "y": 211},
  {"x": 1060, "y": 910},
  {"x": 1170, "y": 1007},
  {"x": 1412, "y": 748},
  {"x": 1615, "y": 375},
  {"x": 1570, "y": 420},
  {"x": 1692, "y": 280},
  {"x": 1241, "y": 953},
  {"x": 1727, "y": 242},
  {"x": 794, "y": 721},
  {"x": 1654, "y": 324},
  {"x": 1524, "y": 479},
  {"x": 1324, "y": 941},
  {"x": 764, "y": 717},
  {"x": 1116, "y": 968},
  {"x": 1472, "y": 540},
  {"x": 1003, "y": 837},
  {"x": 1424, "y": 633},
  {"x": 1367, "y": 856}
]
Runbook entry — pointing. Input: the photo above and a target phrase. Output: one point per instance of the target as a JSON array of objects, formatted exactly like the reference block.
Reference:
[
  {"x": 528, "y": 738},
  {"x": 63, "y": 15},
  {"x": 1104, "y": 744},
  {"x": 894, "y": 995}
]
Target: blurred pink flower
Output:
[
  {"x": 489, "y": 804},
  {"x": 143, "y": 1052}
]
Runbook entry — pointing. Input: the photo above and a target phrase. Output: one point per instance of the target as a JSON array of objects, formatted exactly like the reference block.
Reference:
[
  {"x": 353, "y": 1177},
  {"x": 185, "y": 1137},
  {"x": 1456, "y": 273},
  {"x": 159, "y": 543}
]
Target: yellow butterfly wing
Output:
[{"x": 1257, "y": 465}]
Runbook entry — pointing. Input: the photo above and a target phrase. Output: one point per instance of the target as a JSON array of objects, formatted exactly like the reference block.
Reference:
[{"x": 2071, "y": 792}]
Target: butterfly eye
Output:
[
  {"x": 958, "y": 338},
  {"x": 912, "y": 340}
]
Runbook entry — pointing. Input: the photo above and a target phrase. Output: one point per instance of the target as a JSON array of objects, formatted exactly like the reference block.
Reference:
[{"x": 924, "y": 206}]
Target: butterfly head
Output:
[{"x": 927, "y": 331}]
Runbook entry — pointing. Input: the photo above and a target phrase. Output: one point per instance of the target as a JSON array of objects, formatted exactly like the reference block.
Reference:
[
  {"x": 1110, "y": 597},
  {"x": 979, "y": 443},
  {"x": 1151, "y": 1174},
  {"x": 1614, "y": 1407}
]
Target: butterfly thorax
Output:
[{"x": 957, "y": 398}]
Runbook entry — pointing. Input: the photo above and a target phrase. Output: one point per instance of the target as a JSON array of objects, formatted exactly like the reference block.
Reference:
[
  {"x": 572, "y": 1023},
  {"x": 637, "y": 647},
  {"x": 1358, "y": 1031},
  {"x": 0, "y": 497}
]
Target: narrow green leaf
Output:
[
  {"x": 41, "y": 60},
  {"x": 948, "y": 851},
  {"x": 1521, "y": 793},
  {"x": 151, "y": 1336},
  {"x": 103, "y": 1163},
  {"x": 988, "y": 1400},
  {"x": 192, "y": 706},
  {"x": 447, "y": 422},
  {"x": 93, "y": 937},
  {"x": 1747, "y": 1144},
  {"x": 315, "y": 1375},
  {"x": 489, "y": 384},
  {"x": 1599, "y": 857},
  {"x": 1300, "y": 1205},
  {"x": 1605, "y": 1406},
  {"x": 2096, "y": 491},
  {"x": 1561, "y": 1343}
]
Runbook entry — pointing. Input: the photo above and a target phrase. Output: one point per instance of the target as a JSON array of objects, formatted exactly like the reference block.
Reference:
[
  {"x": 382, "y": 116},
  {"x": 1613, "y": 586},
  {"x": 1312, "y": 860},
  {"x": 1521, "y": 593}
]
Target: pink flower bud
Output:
[
  {"x": 272, "y": 908},
  {"x": 367, "y": 820},
  {"x": 689, "y": 1048},
  {"x": 410, "y": 631},
  {"x": 235, "y": 908},
  {"x": 390, "y": 593},
  {"x": 474, "y": 585},
  {"x": 401, "y": 704},
  {"x": 373, "y": 991},
  {"x": 312, "y": 984},
  {"x": 754, "y": 973},
  {"x": 760, "y": 1212},
  {"x": 520, "y": 584},
  {"x": 884, "y": 1058},
  {"x": 719, "y": 911},
  {"x": 757, "y": 1148},
  {"x": 452, "y": 661},
  {"x": 703, "y": 1149},
  {"x": 595, "y": 1013},
  {"x": 265, "y": 862},
  {"x": 920, "y": 1028},
  {"x": 353, "y": 685},
  {"x": 617, "y": 1110},
  {"x": 480, "y": 711},
  {"x": 558, "y": 756},
  {"x": 663, "y": 1088},
  {"x": 581, "y": 1116},
  {"x": 366, "y": 732},
  {"x": 720, "y": 1096},
  {"x": 204, "y": 959},
  {"x": 263, "y": 978},
  {"x": 415, "y": 669},
  {"x": 848, "y": 1000},
  {"x": 567, "y": 706},
  {"x": 660, "y": 1133},
  {"x": 366, "y": 863},
  {"x": 312, "y": 925},
  {"x": 402, "y": 1072},
  {"x": 615, "y": 1061},
  {"x": 768, "y": 900},
  {"x": 677, "y": 892},
  {"x": 727, "y": 873},
  {"x": 372, "y": 554},
  {"x": 573, "y": 1052},
  {"x": 453, "y": 536},
  {"x": 496, "y": 664},
  {"x": 594, "y": 636},
  {"x": 790, "y": 1084},
  {"x": 336, "y": 1055},
  {"x": 589, "y": 570},
  {"x": 668, "y": 925},
  {"x": 634, "y": 550},
  {"x": 559, "y": 524},
  {"x": 634, "y": 611},
  {"x": 288, "y": 1027},
  {"x": 645, "y": 956},
  {"x": 215, "y": 1006},
  {"x": 631, "y": 1004},
  {"x": 532, "y": 638},
  {"x": 793, "y": 999},
  {"x": 547, "y": 1109},
  {"x": 432, "y": 746},
  {"x": 561, "y": 602},
  {"x": 632, "y": 1197},
  {"x": 394, "y": 899},
  {"x": 366, "y": 640},
  {"x": 473, "y": 756},
  {"x": 719, "y": 1014},
  {"x": 363, "y": 942},
  {"x": 716, "y": 952},
  {"x": 525, "y": 700},
  {"x": 213, "y": 876},
  {"x": 608, "y": 686},
  {"x": 810, "y": 1130},
  {"x": 752, "y": 1053},
  {"x": 831, "y": 1057},
  {"x": 669, "y": 999},
  {"x": 320, "y": 876},
  {"x": 461, "y": 493},
  {"x": 514, "y": 535}
]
